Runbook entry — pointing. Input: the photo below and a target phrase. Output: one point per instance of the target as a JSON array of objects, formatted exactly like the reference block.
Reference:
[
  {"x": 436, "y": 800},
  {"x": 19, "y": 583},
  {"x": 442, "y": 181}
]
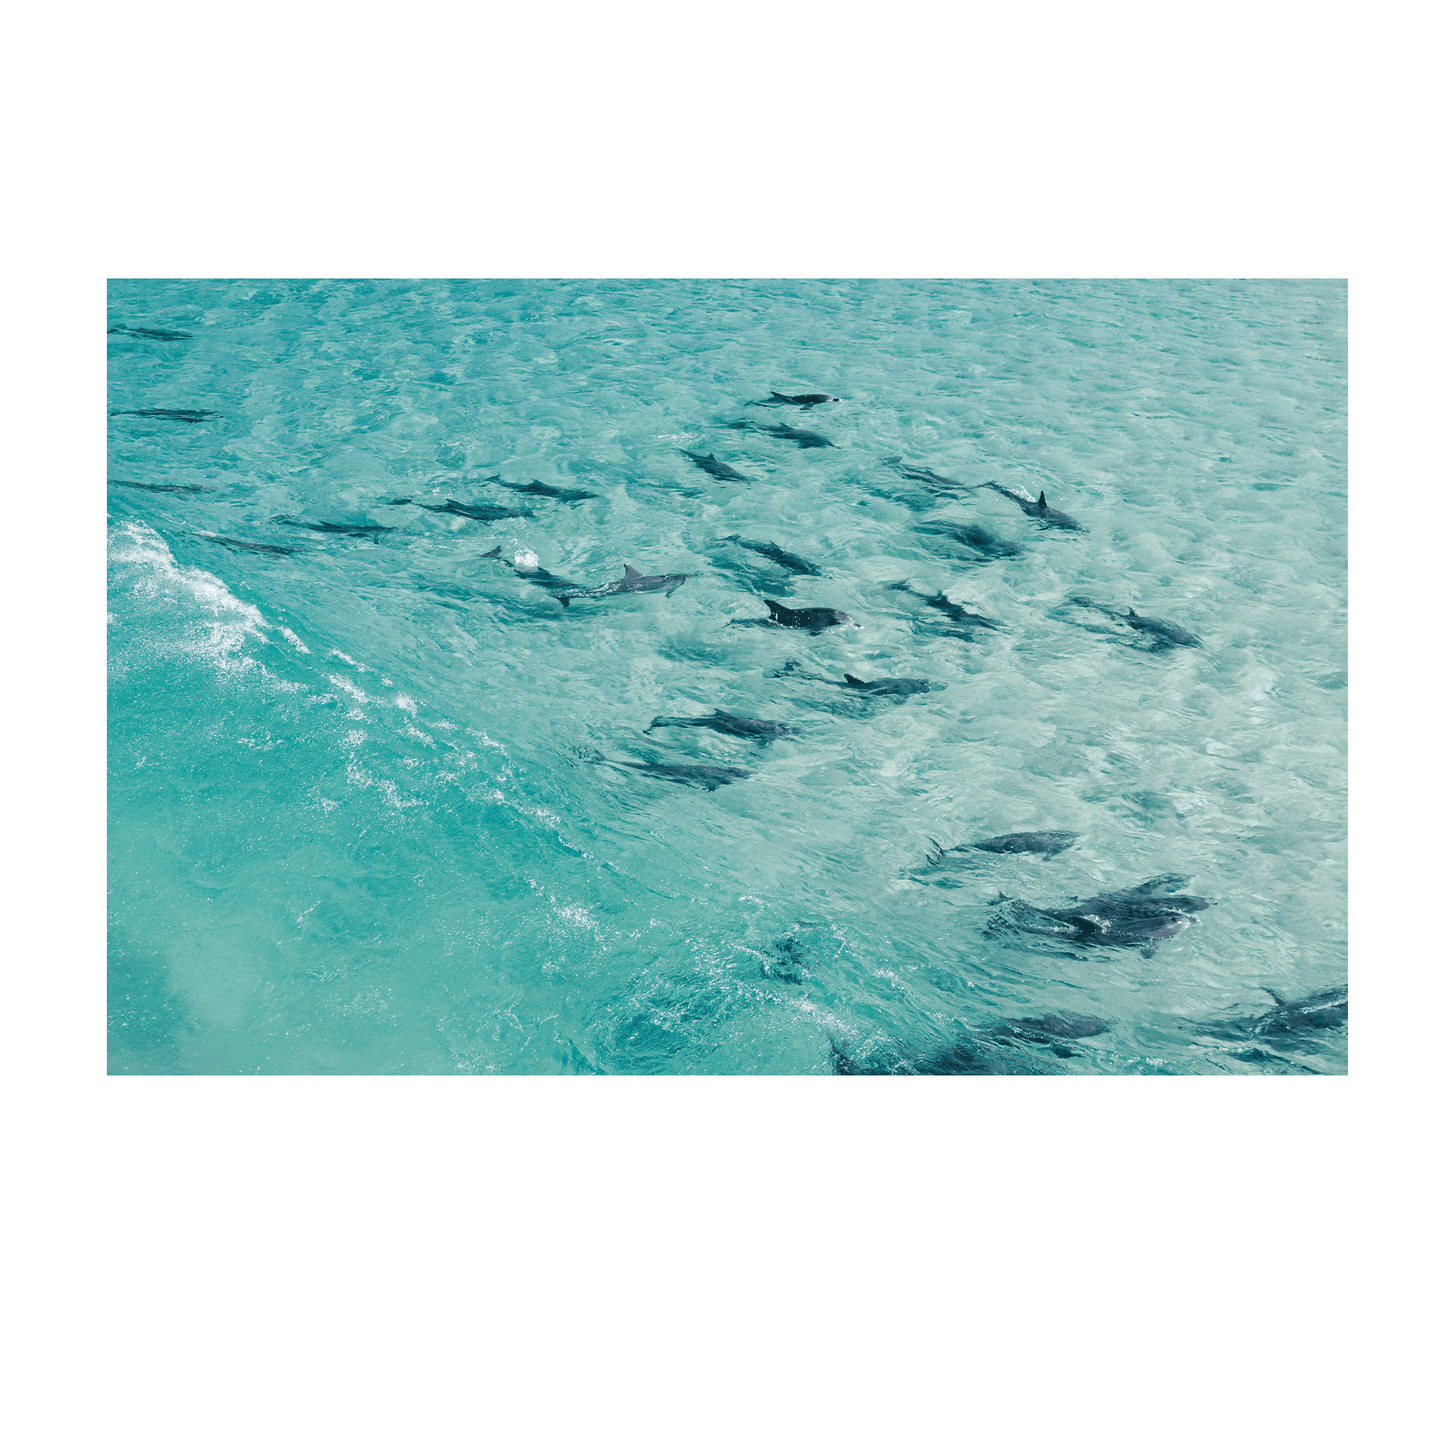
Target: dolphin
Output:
[
  {"x": 149, "y": 333},
  {"x": 715, "y": 468},
  {"x": 951, "y": 610},
  {"x": 1062, "y": 1025},
  {"x": 703, "y": 775},
  {"x": 1045, "y": 844},
  {"x": 541, "y": 489},
  {"x": 813, "y": 619},
  {"x": 931, "y": 480},
  {"x": 1051, "y": 1029},
  {"x": 160, "y": 486},
  {"x": 807, "y": 401},
  {"x": 1290, "y": 1025},
  {"x": 169, "y": 414},
  {"x": 1040, "y": 509},
  {"x": 784, "y": 432},
  {"x": 978, "y": 539},
  {"x": 1144, "y": 915},
  {"x": 237, "y": 545},
  {"x": 540, "y": 575},
  {"x": 879, "y": 687},
  {"x": 631, "y": 581},
  {"x": 955, "y": 1058},
  {"x": 484, "y": 512},
  {"x": 345, "y": 529},
  {"x": 758, "y": 729},
  {"x": 775, "y": 553},
  {"x": 789, "y": 963},
  {"x": 1163, "y": 635}
]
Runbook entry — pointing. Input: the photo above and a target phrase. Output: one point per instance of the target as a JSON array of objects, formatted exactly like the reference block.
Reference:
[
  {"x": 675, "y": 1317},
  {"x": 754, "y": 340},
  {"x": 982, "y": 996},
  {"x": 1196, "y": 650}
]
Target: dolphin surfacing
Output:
[
  {"x": 1039, "y": 509},
  {"x": 810, "y": 619},
  {"x": 1161, "y": 635},
  {"x": 1045, "y": 844},
  {"x": 808, "y": 400},
  {"x": 1132, "y": 917},
  {"x": 631, "y": 581}
]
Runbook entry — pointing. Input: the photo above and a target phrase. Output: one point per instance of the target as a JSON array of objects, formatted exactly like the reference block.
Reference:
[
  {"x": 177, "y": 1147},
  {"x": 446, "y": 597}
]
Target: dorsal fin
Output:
[
  {"x": 1132, "y": 613},
  {"x": 1043, "y": 505},
  {"x": 1281, "y": 1002},
  {"x": 853, "y": 681},
  {"x": 774, "y": 607},
  {"x": 629, "y": 572},
  {"x": 495, "y": 552}
]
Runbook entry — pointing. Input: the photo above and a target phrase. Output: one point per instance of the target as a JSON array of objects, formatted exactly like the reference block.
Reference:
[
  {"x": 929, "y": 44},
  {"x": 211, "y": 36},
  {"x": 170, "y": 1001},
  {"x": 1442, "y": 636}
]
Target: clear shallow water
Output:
[{"x": 356, "y": 821}]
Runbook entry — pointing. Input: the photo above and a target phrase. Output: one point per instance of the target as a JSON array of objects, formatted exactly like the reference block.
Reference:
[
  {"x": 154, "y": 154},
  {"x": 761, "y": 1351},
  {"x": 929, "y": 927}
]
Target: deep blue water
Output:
[{"x": 365, "y": 808}]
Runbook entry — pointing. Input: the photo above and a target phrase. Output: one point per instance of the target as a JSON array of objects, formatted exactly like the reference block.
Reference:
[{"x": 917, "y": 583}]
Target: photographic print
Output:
[
  {"x": 847, "y": 677},
  {"x": 723, "y": 697}
]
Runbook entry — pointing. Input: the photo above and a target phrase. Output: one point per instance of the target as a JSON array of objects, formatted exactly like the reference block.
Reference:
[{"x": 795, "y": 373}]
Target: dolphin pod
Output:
[{"x": 1135, "y": 917}]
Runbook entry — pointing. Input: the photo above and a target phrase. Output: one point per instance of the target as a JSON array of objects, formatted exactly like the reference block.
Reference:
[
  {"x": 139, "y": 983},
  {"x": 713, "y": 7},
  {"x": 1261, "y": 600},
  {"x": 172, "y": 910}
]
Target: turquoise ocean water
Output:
[{"x": 366, "y": 813}]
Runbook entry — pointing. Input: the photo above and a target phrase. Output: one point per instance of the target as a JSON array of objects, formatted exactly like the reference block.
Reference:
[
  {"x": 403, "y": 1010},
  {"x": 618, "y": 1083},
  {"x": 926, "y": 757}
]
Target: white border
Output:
[{"x": 85, "y": 1097}]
